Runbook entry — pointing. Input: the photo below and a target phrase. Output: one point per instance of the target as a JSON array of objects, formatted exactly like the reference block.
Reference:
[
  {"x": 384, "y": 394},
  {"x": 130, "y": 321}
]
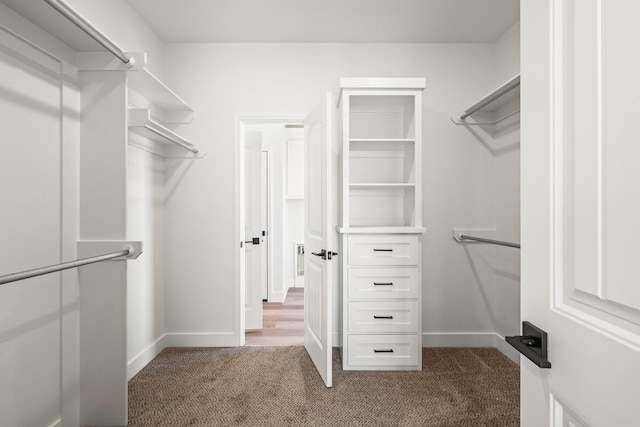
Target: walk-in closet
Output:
[{"x": 429, "y": 205}]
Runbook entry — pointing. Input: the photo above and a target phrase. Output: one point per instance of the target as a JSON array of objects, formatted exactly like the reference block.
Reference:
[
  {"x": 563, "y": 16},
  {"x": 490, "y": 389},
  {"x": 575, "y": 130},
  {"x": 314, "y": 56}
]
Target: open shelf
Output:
[
  {"x": 169, "y": 143},
  {"x": 382, "y": 185},
  {"x": 375, "y": 161},
  {"x": 499, "y": 104},
  {"x": 385, "y": 117},
  {"x": 382, "y": 205},
  {"x": 150, "y": 92}
]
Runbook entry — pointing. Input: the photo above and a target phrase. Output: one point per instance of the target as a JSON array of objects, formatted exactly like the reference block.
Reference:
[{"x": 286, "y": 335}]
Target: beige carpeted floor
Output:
[{"x": 278, "y": 386}]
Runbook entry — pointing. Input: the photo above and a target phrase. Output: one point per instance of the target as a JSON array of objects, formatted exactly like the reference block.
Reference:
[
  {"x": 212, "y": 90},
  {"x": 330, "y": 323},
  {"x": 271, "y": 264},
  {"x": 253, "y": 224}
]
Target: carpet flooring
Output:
[{"x": 279, "y": 386}]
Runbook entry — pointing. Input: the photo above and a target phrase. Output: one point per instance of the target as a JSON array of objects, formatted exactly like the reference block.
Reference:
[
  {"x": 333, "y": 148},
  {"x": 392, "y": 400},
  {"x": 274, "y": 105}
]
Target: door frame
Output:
[{"x": 240, "y": 122}]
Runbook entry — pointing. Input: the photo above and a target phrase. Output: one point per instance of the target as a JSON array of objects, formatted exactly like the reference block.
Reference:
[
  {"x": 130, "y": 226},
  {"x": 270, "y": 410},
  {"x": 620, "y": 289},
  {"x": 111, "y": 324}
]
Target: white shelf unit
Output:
[
  {"x": 381, "y": 154},
  {"x": 381, "y": 223},
  {"x": 498, "y": 105},
  {"x": 153, "y": 108}
]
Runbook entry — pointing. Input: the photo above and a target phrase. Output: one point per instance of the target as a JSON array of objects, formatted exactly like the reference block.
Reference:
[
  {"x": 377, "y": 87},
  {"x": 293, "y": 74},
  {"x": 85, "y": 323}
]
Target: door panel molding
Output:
[{"x": 586, "y": 284}]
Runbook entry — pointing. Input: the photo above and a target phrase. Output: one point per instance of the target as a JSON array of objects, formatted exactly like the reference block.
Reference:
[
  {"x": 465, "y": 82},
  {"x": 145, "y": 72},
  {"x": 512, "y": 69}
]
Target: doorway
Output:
[{"x": 280, "y": 298}]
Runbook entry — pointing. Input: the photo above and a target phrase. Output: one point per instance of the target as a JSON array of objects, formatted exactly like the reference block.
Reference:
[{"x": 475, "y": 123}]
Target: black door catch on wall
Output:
[{"x": 532, "y": 343}]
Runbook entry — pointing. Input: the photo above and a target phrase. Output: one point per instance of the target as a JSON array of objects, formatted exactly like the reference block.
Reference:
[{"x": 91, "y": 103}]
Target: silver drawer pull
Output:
[
  {"x": 383, "y": 250},
  {"x": 390, "y": 350},
  {"x": 382, "y": 317},
  {"x": 383, "y": 284}
]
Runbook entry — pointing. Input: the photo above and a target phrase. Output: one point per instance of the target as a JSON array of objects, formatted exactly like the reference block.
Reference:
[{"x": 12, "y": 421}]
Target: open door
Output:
[
  {"x": 254, "y": 240},
  {"x": 581, "y": 211},
  {"x": 318, "y": 263}
]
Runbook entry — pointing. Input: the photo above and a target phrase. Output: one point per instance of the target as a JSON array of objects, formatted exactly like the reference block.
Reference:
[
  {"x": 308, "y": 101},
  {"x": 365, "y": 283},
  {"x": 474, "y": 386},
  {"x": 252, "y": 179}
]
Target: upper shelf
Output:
[
  {"x": 150, "y": 92},
  {"x": 495, "y": 101}
]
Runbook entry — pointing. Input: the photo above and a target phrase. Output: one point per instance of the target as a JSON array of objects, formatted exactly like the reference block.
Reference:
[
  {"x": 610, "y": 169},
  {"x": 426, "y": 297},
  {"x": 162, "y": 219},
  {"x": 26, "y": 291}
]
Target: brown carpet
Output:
[{"x": 279, "y": 386}]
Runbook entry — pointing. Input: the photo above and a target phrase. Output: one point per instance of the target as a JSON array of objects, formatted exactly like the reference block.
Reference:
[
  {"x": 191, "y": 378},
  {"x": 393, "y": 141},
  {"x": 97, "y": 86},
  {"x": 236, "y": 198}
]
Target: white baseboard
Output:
[
  {"x": 219, "y": 339},
  {"x": 135, "y": 365},
  {"x": 143, "y": 358},
  {"x": 507, "y": 349},
  {"x": 278, "y": 296},
  {"x": 459, "y": 340},
  {"x": 57, "y": 423},
  {"x": 483, "y": 339}
]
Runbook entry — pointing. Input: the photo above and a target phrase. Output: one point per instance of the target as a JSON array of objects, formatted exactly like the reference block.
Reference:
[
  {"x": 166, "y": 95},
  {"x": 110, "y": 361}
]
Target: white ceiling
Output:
[{"x": 326, "y": 21}]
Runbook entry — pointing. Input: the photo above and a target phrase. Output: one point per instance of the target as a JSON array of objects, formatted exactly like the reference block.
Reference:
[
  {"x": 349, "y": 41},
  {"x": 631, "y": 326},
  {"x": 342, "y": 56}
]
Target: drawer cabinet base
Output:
[{"x": 383, "y": 352}]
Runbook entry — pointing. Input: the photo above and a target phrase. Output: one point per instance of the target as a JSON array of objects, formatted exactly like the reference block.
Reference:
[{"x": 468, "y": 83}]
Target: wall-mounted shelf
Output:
[
  {"x": 383, "y": 185},
  {"x": 493, "y": 108},
  {"x": 147, "y": 91},
  {"x": 170, "y": 143}
]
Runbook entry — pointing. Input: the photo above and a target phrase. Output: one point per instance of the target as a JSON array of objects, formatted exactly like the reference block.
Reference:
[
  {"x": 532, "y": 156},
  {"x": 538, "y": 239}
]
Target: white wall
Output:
[
  {"x": 507, "y": 201},
  {"x": 145, "y": 276},
  {"x": 39, "y": 106},
  {"x": 226, "y": 79}
]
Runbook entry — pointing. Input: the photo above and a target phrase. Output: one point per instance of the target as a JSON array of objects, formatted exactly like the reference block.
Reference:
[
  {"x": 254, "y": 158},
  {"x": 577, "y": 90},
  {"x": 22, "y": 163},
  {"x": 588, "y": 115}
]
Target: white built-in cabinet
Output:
[{"x": 381, "y": 223}]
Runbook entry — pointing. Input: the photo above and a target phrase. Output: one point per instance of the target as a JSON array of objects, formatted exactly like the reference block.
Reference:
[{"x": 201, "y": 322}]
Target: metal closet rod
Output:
[
  {"x": 14, "y": 277},
  {"x": 510, "y": 85},
  {"x": 79, "y": 21},
  {"x": 171, "y": 138},
  {"x": 493, "y": 242}
]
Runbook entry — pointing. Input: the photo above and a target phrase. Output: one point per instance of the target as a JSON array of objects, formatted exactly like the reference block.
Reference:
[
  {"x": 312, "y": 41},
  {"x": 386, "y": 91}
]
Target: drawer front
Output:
[
  {"x": 383, "y": 250},
  {"x": 383, "y": 317},
  {"x": 380, "y": 350},
  {"x": 383, "y": 283}
]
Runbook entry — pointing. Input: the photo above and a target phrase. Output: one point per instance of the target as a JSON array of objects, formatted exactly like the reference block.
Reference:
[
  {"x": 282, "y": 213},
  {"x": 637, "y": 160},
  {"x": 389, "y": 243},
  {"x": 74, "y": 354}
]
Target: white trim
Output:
[
  {"x": 143, "y": 358},
  {"x": 278, "y": 296},
  {"x": 56, "y": 423},
  {"x": 478, "y": 339},
  {"x": 506, "y": 349},
  {"x": 203, "y": 339}
]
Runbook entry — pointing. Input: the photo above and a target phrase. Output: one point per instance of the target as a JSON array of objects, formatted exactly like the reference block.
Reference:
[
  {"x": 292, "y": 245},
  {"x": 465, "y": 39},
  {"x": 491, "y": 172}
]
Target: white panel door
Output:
[
  {"x": 581, "y": 210},
  {"x": 318, "y": 233},
  {"x": 253, "y": 230}
]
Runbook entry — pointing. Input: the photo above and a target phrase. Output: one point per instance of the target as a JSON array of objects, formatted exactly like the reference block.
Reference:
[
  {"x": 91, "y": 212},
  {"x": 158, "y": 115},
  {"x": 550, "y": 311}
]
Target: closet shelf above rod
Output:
[
  {"x": 147, "y": 91},
  {"x": 507, "y": 93},
  {"x": 464, "y": 238},
  {"x": 79, "y": 21},
  {"x": 140, "y": 121}
]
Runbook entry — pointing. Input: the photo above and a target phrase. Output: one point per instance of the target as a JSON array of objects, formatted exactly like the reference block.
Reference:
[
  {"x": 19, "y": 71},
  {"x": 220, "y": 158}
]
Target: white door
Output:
[
  {"x": 253, "y": 230},
  {"x": 581, "y": 210},
  {"x": 264, "y": 227},
  {"x": 319, "y": 259}
]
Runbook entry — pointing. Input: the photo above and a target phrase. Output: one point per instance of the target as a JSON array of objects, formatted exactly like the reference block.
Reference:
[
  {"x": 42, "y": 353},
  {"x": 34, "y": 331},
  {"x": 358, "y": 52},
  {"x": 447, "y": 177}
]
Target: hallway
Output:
[{"x": 283, "y": 323}]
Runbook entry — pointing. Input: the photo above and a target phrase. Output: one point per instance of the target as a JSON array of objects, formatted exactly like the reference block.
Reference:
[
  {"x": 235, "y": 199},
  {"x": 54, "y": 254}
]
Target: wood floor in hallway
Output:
[{"x": 283, "y": 323}]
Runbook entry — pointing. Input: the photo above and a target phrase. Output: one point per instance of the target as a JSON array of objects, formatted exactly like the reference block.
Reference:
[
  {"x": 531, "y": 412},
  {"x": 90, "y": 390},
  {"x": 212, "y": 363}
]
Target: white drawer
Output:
[
  {"x": 375, "y": 250},
  {"x": 383, "y": 283},
  {"x": 380, "y": 350},
  {"x": 383, "y": 317}
]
